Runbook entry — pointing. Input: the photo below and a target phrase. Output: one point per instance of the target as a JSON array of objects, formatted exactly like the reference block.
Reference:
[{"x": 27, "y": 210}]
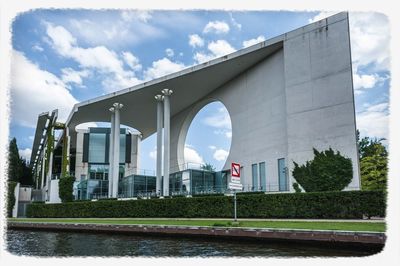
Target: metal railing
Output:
[{"x": 188, "y": 166}]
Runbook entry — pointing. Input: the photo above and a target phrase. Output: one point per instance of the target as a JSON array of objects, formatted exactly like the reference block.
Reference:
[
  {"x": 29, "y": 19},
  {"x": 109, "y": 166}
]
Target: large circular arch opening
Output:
[{"x": 208, "y": 139}]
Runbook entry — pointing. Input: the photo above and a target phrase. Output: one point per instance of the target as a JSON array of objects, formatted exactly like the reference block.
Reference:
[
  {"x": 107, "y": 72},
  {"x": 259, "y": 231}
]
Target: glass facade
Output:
[
  {"x": 188, "y": 182},
  {"x": 122, "y": 148},
  {"x": 97, "y": 148},
  {"x": 138, "y": 186},
  {"x": 254, "y": 174},
  {"x": 283, "y": 182},
  {"x": 175, "y": 183},
  {"x": 98, "y": 171},
  {"x": 92, "y": 189}
]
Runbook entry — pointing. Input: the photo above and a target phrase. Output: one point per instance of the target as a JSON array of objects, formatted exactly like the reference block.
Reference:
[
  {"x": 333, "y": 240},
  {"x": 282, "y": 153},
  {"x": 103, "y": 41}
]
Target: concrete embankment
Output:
[{"x": 289, "y": 235}]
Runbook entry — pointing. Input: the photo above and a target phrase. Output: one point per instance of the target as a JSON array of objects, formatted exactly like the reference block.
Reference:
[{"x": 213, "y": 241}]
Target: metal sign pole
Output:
[{"x": 234, "y": 196}]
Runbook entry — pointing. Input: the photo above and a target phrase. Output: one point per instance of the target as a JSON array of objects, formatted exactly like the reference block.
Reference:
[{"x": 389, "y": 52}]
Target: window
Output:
[
  {"x": 122, "y": 142},
  {"x": 263, "y": 182},
  {"x": 283, "y": 184},
  {"x": 98, "y": 171},
  {"x": 254, "y": 173},
  {"x": 97, "y": 148}
]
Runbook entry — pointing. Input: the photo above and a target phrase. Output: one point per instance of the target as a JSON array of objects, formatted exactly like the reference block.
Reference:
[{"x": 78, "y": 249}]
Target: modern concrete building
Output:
[{"x": 285, "y": 96}]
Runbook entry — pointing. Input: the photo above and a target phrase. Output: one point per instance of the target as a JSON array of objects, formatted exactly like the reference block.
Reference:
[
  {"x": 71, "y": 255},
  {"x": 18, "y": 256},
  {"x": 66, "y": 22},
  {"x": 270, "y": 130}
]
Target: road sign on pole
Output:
[
  {"x": 235, "y": 170},
  {"x": 235, "y": 186}
]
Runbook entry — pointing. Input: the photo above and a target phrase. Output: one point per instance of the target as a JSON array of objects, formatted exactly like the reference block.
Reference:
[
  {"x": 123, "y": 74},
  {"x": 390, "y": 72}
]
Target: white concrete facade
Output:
[
  {"x": 297, "y": 99},
  {"x": 285, "y": 96}
]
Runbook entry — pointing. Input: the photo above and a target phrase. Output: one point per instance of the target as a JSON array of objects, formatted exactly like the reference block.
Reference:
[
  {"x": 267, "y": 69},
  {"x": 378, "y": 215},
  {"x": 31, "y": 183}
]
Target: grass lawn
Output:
[{"x": 320, "y": 225}]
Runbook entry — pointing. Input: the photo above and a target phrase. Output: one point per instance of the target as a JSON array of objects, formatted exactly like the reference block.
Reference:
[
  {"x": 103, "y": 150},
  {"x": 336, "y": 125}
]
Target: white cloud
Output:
[
  {"x": 217, "y": 27},
  {"x": 370, "y": 38},
  {"x": 195, "y": 41},
  {"x": 217, "y": 48},
  {"x": 37, "y": 48},
  {"x": 220, "y": 48},
  {"x": 98, "y": 58},
  {"x": 161, "y": 68},
  {"x": 365, "y": 81},
  {"x": 153, "y": 154},
  {"x": 321, "y": 16},
  {"x": 169, "y": 52},
  {"x": 141, "y": 15},
  {"x": 220, "y": 119},
  {"x": 132, "y": 61},
  {"x": 25, "y": 154},
  {"x": 234, "y": 22},
  {"x": 251, "y": 42},
  {"x": 374, "y": 121},
  {"x": 106, "y": 29},
  {"x": 70, "y": 75},
  {"x": 203, "y": 57},
  {"x": 228, "y": 134},
  {"x": 34, "y": 91},
  {"x": 61, "y": 39},
  {"x": 212, "y": 147},
  {"x": 220, "y": 155},
  {"x": 192, "y": 156},
  {"x": 31, "y": 137}
]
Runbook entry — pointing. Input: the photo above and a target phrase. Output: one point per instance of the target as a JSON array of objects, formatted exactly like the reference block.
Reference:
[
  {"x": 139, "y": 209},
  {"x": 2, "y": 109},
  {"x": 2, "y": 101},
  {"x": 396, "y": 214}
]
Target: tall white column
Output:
[
  {"x": 167, "y": 93},
  {"x": 111, "y": 154},
  {"x": 68, "y": 139},
  {"x": 117, "y": 107},
  {"x": 159, "y": 99}
]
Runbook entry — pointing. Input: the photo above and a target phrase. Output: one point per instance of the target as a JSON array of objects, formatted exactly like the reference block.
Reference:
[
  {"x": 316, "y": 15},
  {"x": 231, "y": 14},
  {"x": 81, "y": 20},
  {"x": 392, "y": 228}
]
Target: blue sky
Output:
[{"x": 61, "y": 57}]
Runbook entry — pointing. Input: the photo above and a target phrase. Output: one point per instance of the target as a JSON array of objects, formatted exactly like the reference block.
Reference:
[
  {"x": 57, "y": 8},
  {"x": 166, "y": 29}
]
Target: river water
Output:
[{"x": 50, "y": 244}]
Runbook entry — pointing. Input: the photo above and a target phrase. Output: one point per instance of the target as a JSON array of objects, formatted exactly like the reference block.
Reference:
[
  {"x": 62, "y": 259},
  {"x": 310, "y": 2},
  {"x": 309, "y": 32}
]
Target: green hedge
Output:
[{"x": 332, "y": 205}]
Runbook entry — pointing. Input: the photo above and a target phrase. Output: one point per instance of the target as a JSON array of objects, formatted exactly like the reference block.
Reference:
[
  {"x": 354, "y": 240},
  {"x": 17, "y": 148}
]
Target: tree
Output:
[
  {"x": 26, "y": 177},
  {"x": 208, "y": 167},
  {"x": 14, "y": 162},
  {"x": 369, "y": 147},
  {"x": 328, "y": 171},
  {"x": 373, "y": 163}
]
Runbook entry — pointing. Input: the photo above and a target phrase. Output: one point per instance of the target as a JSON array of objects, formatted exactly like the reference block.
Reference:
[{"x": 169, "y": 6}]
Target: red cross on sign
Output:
[{"x": 235, "y": 169}]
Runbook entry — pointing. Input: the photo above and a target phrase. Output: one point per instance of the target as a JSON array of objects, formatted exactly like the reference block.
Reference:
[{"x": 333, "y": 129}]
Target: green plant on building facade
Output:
[
  {"x": 328, "y": 171},
  {"x": 65, "y": 188}
]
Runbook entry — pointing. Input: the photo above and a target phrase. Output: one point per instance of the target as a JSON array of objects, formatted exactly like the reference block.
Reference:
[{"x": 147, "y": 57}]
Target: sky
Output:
[{"x": 64, "y": 56}]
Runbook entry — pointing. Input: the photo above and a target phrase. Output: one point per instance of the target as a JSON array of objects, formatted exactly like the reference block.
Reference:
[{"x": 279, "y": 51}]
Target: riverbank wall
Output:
[{"x": 237, "y": 233}]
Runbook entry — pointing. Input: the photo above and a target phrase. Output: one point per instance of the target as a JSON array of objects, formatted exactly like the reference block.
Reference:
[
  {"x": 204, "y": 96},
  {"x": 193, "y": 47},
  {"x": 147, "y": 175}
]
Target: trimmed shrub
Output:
[
  {"x": 296, "y": 187},
  {"x": 328, "y": 171},
  {"x": 332, "y": 205}
]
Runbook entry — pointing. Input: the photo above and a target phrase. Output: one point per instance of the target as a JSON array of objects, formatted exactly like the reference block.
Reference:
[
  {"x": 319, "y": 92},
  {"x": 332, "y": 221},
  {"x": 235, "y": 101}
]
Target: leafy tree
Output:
[
  {"x": 14, "y": 162},
  {"x": 328, "y": 171},
  {"x": 369, "y": 147},
  {"x": 26, "y": 177},
  {"x": 208, "y": 167},
  {"x": 373, "y": 163}
]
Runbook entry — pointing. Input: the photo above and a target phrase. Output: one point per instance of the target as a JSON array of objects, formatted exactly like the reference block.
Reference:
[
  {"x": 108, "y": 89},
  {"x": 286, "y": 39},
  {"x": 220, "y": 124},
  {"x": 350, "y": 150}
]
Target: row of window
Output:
[
  {"x": 259, "y": 177},
  {"x": 98, "y": 147}
]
